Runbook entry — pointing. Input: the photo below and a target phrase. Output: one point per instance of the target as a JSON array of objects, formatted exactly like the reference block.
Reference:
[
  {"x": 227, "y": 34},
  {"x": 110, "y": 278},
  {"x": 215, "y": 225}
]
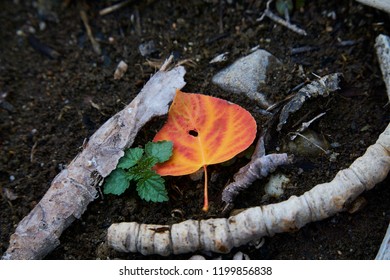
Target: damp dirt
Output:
[{"x": 56, "y": 91}]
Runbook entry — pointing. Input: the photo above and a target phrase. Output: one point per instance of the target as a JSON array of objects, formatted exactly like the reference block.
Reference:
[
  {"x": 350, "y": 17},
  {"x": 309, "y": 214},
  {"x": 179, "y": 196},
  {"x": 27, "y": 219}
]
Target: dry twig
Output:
[
  {"x": 114, "y": 8},
  {"x": 323, "y": 87},
  {"x": 267, "y": 12},
  {"x": 95, "y": 44},
  {"x": 260, "y": 166},
  {"x": 74, "y": 188},
  {"x": 382, "y": 45}
]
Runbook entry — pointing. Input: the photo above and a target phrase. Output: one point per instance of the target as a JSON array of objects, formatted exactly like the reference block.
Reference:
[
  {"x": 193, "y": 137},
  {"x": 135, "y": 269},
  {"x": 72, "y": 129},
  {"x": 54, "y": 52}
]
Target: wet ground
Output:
[{"x": 56, "y": 90}]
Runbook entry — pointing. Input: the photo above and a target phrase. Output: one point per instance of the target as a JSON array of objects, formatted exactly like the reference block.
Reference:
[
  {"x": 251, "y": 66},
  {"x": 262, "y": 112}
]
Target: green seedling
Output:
[{"x": 136, "y": 166}]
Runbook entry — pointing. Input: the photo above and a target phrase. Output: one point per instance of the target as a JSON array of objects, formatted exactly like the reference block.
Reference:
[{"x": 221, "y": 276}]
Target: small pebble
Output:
[
  {"x": 240, "y": 256},
  {"x": 9, "y": 194},
  {"x": 219, "y": 58},
  {"x": 276, "y": 185},
  {"x": 308, "y": 143},
  {"x": 196, "y": 176},
  {"x": 147, "y": 48},
  {"x": 197, "y": 257},
  {"x": 120, "y": 70}
]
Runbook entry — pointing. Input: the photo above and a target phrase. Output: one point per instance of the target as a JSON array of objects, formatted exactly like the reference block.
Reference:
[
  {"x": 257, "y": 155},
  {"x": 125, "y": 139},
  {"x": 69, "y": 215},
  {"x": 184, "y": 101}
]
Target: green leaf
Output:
[
  {"x": 145, "y": 163},
  {"x": 131, "y": 158},
  {"x": 117, "y": 182},
  {"x": 161, "y": 150},
  {"x": 151, "y": 188},
  {"x": 135, "y": 173},
  {"x": 136, "y": 165}
]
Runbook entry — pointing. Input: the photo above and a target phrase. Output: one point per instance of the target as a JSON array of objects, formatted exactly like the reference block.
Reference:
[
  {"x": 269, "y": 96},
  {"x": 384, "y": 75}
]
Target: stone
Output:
[{"x": 246, "y": 75}]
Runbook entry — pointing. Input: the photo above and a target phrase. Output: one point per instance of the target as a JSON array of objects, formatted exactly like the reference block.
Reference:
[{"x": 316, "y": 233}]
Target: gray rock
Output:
[
  {"x": 245, "y": 76},
  {"x": 147, "y": 48}
]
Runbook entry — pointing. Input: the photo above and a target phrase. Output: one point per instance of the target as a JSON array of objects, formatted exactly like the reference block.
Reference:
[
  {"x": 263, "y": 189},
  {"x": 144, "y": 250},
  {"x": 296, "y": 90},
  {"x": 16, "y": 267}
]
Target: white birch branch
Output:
[
  {"x": 74, "y": 188},
  {"x": 221, "y": 235},
  {"x": 384, "y": 249},
  {"x": 383, "y": 5},
  {"x": 382, "y": 45}
]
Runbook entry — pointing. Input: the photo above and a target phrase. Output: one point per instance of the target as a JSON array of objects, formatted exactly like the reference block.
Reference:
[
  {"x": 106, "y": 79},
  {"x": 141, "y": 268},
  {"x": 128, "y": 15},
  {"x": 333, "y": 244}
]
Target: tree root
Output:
[{"x": 221, "y": 235}]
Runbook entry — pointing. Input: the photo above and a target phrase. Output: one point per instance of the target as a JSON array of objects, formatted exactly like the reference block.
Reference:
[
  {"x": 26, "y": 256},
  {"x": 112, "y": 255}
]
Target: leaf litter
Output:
[{"x": 340, "y": 125}]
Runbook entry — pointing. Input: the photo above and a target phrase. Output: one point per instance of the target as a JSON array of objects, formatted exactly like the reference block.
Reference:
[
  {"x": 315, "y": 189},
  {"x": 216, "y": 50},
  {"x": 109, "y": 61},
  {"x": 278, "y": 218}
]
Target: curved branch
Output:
[{"x": 221, "y": 235}]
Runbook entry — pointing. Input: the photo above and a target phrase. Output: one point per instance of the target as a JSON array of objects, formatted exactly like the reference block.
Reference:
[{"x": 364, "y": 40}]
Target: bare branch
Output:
[
  {"x": 322, "y": 86},
  {"x": 267, "y": 12},
  {"x": 260, "y": 166},
  {"x": 114, "y": 8},
  {"x": 95, "y": 44},
  {"x": 74, "y": 188},
  {"x": 382, "y": 45}
]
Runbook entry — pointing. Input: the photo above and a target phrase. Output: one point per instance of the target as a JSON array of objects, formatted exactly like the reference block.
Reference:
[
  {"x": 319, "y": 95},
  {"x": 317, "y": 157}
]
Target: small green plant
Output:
[{"x": 136, "y": 165}]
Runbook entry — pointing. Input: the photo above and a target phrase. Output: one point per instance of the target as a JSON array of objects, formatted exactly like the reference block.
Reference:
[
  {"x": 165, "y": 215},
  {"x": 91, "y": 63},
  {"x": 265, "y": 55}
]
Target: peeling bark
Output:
[
  {"x": 260, "y": 166},
  {"x": 74, "y": 188},
  {"x": 320, "y": 87},
  {"x": 382, "y": 45}
]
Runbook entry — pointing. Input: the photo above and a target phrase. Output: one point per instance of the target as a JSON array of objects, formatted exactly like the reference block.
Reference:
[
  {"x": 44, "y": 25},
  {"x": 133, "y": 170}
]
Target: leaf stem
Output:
[{"x": 206, "y": 197}]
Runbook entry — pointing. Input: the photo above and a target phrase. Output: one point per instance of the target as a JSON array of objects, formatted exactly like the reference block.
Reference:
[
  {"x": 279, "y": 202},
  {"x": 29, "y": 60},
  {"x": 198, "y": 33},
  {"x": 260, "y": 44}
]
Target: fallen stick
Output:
[
  {"x": 114, "y": 8},
  {"x": 95, "y": 44},
  {"x": 221, "y": 235},
  {"x": 384, "y": 250},
  {"x": 382, "y": 45},
  {"x": 383, "y": 5},
  {"x": 267, "y": 12},
  {"x": 321, "y": 87},
  {"x": 74, "y": 188},
  {"x": 260, "y": 166}
]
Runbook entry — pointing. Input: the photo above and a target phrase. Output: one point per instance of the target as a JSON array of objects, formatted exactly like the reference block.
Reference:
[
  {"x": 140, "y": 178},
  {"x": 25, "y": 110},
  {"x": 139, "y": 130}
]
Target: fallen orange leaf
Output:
[{"x": 204, "y": 130}]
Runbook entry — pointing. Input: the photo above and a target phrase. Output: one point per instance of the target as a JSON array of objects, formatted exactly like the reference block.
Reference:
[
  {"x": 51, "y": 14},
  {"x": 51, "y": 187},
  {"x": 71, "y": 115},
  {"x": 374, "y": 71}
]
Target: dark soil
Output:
[{"x": 54, "y": 103}]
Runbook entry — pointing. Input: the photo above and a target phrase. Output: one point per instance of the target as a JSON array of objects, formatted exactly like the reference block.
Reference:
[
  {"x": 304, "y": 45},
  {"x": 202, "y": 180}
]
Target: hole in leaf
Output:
[{"x": 193, "y": 132}]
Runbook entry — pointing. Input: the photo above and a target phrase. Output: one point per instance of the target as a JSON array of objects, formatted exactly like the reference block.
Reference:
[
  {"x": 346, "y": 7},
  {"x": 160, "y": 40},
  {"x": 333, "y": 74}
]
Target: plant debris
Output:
[
  {"x": 321, "y": 87},
  {"x": 260, "y": 166}
]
